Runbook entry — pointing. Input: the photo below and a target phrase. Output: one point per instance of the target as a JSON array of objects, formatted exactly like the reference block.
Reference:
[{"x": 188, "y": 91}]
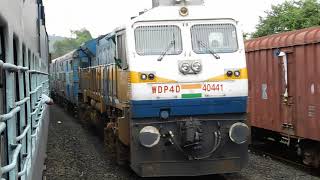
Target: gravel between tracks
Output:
[{"x": 75, "y": 153}]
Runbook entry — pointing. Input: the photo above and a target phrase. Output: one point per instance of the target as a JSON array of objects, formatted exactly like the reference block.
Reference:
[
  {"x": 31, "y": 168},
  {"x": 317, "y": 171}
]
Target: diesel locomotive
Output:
[{"x": 169, "y": 91}]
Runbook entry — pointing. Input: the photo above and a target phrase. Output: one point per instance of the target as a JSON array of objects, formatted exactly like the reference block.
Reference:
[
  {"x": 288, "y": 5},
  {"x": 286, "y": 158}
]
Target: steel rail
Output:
[
  {"x": 24, "y": 170},
  {"x": 13, "y": 112},
  {"x": 13, "y": 164},
  {"x": 19, "y": 103},
  {"x": 23, "y": 135}
]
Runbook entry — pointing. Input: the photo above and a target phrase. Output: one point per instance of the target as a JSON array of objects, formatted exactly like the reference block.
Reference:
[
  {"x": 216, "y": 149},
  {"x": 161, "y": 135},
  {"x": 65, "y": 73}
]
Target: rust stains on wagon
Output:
[{"x": 284, "y": 83}]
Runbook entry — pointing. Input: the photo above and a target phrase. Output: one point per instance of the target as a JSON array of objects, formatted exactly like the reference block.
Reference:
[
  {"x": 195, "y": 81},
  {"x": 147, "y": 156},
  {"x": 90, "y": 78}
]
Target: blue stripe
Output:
[{"x": 189, "y": 107}]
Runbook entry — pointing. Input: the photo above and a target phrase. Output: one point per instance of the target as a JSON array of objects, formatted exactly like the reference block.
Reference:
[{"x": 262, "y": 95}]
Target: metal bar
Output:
[
  {"x": 13, "y": 164},
  {"x": 19, "y": 138},
  {"x": 1, "y": 63},
  {"x": 2, "y": 127},
  {"x": 35, "y": 111},
  {"x": 13, "y": 112},
  {"x": 36, "y": 90},
  {"x": 24, "y": 170},
  {"x": 12, "y": 67},
  {"x": 37, "y": 72},
  {"x": 34, "y": 134},
  {"x": 19, "y": 103},
  {"x": 23, "y": 69}
]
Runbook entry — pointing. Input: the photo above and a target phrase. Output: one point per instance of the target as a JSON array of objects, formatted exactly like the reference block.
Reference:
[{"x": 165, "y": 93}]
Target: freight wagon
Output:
[
  {"x": 284, "y": 90},
  {"x": 24, "y": 115}
]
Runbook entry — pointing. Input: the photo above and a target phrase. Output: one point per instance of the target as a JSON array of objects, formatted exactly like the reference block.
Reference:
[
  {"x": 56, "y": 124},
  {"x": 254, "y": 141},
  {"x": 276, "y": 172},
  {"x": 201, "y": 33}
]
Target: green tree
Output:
[
  {"x": 288, "y": 16},
  {"x": 63, "y": 47}
]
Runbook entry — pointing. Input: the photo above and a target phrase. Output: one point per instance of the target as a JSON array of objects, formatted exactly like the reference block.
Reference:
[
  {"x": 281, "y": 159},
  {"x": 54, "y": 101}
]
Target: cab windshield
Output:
[
  {"x": 159, "y": 39},
  {"x": 219, "y": 38}
]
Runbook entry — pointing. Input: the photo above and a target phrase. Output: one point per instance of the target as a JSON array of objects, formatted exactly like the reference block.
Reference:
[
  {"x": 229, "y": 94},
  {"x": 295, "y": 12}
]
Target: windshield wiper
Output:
[
  {"x": 215, "y": 55},
  {"x": 172, "y": 43}
]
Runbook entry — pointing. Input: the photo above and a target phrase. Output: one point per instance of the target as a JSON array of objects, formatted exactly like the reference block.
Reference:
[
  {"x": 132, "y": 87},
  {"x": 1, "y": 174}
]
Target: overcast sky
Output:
[{"x": 102, "y": 16}]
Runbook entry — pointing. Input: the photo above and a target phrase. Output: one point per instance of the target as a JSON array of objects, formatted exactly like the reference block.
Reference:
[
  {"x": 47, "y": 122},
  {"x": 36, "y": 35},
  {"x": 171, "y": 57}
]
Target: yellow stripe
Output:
[
  {"x": 243, "y": 72},
  {"x": 136, "y": 78},
  {"x": 191, "y": 86}
]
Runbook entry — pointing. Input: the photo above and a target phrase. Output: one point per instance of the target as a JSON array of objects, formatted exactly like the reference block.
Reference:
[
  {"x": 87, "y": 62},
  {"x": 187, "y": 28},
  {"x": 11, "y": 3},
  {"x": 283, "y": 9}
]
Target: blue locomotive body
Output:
[{"x": 65, "y": 73}]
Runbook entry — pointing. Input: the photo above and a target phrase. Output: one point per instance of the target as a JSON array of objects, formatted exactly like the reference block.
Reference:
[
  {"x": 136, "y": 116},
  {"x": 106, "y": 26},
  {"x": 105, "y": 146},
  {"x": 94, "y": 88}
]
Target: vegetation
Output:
[
  {"x": 288, "y": 16},
  {"x": 64, "y": 46}
]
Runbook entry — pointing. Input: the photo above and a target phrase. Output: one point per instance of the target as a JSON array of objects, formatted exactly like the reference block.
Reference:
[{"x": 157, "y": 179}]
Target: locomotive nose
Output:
[{"x": 239, "y": 133}]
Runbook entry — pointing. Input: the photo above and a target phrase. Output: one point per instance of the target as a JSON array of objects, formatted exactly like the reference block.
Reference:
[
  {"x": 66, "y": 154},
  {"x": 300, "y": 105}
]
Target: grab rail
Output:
[
  {"x": 23, "y": 135},
  {"x": 19, "y": 103},
  {"x": 37, "y": 72},
  {"x": 36, "y": 90},
  {"x": 13, "y": 112},
  {"x": 24, "y": 170},
  {"x": 13, "y": 164}
]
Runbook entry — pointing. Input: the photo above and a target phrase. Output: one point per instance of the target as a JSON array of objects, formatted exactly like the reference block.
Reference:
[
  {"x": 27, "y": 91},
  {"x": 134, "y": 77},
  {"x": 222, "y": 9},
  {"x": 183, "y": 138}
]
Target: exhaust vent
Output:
[{"x": 156, "y": 3}]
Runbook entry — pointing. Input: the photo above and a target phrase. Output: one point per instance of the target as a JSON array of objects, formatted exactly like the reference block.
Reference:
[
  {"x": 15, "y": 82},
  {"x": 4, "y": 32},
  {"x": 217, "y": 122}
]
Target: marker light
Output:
[
  {"x": 237, "y": 73},
  {"x": 144, "y": 77},
  {"x": 229, "y": 73},
  {"x": 185, "y": 68},
  {"x": 151, "y": 76},
  {"x": 196, "y": 67},
  {"x": 149, "y": 136}
]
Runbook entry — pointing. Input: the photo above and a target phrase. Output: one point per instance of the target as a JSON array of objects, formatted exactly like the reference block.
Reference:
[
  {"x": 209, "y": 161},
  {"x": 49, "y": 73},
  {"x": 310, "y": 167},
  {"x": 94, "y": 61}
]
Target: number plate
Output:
[{"x": 197, "y": 90}]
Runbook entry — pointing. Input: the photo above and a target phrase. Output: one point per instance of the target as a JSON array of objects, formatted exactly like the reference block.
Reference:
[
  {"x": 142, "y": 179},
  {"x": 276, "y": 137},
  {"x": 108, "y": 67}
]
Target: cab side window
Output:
[{"x": 121, "y": 50}]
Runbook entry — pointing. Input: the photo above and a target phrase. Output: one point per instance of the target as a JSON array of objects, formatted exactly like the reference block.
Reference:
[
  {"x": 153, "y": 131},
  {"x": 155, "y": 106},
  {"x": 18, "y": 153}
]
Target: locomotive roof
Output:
[{"x": 195, "y": 12}]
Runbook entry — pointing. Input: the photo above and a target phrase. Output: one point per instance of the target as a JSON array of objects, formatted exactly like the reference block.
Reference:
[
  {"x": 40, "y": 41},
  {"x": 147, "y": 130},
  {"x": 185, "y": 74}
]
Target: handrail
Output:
[
  {"x": 24, "y": 170},
  {"x": 13, "y": 164},
  {"x": 23, "y": 135},
  {"x": 19, "y": 103},
  {"x": 2, "y": 127},
  {"x": 13, "y": 112}
]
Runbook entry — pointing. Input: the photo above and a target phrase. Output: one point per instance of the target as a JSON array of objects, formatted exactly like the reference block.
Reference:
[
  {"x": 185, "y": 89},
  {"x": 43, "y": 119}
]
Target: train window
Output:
[
  {"x": 121, "y": 50},
  {"x": 157, "y": 40},
  {"x": 220, "y": 38}
]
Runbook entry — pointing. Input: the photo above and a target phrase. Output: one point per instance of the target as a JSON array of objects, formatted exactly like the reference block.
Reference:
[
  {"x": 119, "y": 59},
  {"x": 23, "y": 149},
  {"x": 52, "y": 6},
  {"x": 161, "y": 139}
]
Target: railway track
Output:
[{"x": 282, "y": 153}]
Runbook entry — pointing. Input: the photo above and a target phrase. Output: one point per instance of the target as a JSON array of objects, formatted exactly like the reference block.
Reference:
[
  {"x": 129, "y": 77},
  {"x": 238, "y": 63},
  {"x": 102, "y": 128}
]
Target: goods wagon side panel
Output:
[
  {"x": 308, "y": 124},
  {"x": 264, "y": 90}
]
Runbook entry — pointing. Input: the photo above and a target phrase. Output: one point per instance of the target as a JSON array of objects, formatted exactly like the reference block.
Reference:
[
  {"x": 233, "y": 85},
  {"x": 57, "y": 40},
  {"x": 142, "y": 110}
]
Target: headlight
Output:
[
  {"x": 239, "y": 133},
  {"x": 196, "y": 66},
  {"x": 185, "y": 68},
  {"x": 149, "y": 136}
]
